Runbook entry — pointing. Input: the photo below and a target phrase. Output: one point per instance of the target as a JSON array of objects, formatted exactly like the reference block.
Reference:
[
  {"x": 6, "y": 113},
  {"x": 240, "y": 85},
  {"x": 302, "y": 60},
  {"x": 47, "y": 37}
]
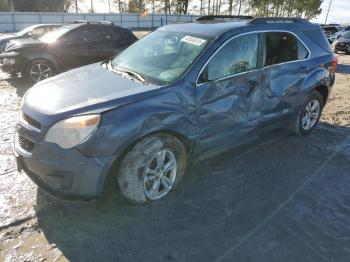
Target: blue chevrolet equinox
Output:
[{"x": 185, "y": 91}]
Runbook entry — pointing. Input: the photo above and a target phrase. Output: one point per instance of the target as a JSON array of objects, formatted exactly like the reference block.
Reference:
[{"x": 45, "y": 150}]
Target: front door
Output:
[{"x": 229, "y": 93}]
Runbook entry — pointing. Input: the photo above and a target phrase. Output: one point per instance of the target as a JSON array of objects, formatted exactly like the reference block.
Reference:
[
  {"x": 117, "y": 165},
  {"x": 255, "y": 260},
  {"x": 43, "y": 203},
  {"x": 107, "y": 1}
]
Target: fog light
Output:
[{"x": 9, "y": 61}]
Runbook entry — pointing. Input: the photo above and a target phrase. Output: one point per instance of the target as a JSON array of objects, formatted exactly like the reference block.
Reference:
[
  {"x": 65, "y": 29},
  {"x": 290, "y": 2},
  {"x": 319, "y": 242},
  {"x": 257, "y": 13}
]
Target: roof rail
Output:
[
  {"x": 80, "y": 22},
  {"x": 265, "y": 20},
  {"x": 105, "y": 22},
  {"x": 223, "y": 17}
]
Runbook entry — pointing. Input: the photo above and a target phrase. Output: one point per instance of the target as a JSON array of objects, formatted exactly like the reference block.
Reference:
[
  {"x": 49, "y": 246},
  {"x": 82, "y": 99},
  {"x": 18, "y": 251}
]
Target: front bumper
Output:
[{"x": 63, "y": 173}]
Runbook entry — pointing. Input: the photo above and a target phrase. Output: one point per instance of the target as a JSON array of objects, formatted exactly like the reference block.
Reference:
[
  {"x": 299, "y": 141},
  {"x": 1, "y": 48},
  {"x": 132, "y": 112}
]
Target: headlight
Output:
[
  {"x": 11, "y": 53},
  {"x": 73, "y": 131}
]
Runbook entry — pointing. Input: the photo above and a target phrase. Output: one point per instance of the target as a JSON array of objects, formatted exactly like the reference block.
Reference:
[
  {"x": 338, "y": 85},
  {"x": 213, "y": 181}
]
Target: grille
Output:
[
  {"x": 25, "y": 144},
  {"x": 31, "y": 121}
]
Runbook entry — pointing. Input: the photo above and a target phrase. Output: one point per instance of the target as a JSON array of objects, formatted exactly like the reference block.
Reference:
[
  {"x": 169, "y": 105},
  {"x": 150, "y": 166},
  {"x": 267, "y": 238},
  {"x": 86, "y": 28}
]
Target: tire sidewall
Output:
[
  {"x": 132, "y": 170},
  {"x": 313, "y": 96}
]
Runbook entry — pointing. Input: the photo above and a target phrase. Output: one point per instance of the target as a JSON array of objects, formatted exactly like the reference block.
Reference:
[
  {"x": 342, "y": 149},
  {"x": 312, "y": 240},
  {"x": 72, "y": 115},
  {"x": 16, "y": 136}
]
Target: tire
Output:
[
  {"x": 301, "y": 127},
  {"x": 38, "y": 70},
  {"x": 140, "y": 171}
]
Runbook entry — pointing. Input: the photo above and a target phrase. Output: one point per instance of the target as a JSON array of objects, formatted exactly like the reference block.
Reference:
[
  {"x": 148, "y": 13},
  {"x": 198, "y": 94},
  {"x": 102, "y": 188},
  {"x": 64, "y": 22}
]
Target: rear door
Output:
[
  {"x": 286, "y": 67},
  {"x": 229, "y": 93}
]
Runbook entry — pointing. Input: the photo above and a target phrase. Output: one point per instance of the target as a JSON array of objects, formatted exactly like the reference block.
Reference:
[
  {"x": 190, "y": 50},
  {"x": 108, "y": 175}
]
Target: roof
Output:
[
  {"x": 216, "y": 28},
  {"x": 210, "y": 29}
]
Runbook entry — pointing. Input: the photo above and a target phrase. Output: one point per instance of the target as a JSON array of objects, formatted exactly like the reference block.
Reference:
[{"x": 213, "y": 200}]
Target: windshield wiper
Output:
[{"x": 130, "y": 73}]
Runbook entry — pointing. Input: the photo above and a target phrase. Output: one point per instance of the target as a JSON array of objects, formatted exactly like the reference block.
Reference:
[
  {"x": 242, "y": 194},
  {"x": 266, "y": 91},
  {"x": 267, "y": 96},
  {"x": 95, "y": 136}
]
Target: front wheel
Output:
[
  {"x": 308, "y": 115},
  {"x": 152, "y": 168},
  {"x": 39, "y": 70}
]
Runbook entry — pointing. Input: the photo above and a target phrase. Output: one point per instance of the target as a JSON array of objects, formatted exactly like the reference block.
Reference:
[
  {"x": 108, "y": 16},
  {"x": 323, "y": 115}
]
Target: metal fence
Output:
[{"x": 14, "y": 21}]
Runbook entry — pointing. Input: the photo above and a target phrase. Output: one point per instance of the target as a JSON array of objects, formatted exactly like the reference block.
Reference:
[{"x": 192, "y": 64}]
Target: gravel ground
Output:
[{"x": 284, "y": 198}]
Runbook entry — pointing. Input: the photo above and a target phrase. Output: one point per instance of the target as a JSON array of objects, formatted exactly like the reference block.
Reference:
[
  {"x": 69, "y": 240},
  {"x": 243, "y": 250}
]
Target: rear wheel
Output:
[
  {"x": 152, "y": 168},
  {"x": 308, "y": 115},
  {"x": 39, "y": 70}
]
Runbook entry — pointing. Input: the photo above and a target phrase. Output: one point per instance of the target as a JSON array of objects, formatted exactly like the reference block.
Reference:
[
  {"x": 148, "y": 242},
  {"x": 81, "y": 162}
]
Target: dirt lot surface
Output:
[{"x": 284, "y": 198}]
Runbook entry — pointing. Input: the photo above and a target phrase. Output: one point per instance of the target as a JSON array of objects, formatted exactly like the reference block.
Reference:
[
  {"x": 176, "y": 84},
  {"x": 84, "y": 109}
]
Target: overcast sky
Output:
[{"x": 339, "y": 12}]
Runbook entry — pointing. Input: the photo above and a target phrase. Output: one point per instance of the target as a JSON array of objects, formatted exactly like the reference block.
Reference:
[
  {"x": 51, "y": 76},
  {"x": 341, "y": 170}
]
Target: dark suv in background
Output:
[
  {"x": 342, "y": 44},
  {"x": 67, "y": 47},
  {"x": 184, "y": 91}
]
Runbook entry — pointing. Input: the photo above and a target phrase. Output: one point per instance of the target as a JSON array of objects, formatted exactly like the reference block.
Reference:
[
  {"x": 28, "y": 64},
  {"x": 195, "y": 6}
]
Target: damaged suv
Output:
[{"x": 182, "y": 92}]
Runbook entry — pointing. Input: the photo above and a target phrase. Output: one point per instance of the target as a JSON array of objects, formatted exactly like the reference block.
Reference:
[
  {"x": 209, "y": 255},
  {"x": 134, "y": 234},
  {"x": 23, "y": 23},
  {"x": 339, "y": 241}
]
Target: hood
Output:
[
  {"x": 7, "y": 37},
  {"x": 21, "y": 43},
  {"x": 91, "y": 88}
]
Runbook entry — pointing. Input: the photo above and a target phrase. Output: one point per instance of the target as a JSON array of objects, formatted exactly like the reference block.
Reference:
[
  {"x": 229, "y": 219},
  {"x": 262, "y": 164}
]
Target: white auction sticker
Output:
[{"x": 193, "y": 40}]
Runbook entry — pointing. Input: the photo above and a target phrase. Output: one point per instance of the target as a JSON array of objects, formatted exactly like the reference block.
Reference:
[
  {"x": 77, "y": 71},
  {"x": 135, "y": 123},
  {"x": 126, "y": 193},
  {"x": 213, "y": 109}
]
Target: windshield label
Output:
[{"x": 193, "y": 40}]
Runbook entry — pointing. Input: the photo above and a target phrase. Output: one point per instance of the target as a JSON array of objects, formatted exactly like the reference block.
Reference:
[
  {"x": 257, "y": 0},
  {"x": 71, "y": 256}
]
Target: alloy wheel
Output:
[
  {"x": 311, "y": 114},
  {"x": 160, "y": 174},
  {"x": 40, "y": 71}
]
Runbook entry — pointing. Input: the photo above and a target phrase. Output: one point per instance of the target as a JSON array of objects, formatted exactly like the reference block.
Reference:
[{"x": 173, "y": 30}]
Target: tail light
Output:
[{"x": 334, "y": 64}]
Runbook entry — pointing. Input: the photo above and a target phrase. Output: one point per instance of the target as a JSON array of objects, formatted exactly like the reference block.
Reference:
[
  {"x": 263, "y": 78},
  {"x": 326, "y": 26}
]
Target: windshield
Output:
[
  {"x": 54, "y": 35},
  {"x": 162, "y": 56},
  {"x": 26, "y": 30}
]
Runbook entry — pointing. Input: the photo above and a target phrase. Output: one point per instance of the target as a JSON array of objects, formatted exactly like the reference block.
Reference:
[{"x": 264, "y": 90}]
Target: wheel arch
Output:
[
  {"x": 323, "y": 90},
  {"x": 30, "y": 60},
  {"x": 105, "y": 183}
]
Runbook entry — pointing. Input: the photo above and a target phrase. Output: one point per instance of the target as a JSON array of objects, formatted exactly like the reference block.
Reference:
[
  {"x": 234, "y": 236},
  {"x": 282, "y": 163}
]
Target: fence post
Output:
[
  {"x": 166, "y": 19},
  {"x": 121, "y": 19},
  {"x": 138, "y": 21},
  {"x": 152, "y": 22},
  {"x": 13, "y": 21},
  {"x": 39, "y": 18}
]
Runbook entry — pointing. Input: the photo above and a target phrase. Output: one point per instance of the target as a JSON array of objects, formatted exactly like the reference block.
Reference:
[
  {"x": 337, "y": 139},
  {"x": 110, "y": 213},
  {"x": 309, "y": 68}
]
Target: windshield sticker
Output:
[{"x": 193, "y": 40}]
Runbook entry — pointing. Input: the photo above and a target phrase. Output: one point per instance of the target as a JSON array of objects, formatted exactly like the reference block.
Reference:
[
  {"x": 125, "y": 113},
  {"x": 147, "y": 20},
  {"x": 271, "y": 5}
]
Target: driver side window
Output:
[{"x": 236, "y": 56}]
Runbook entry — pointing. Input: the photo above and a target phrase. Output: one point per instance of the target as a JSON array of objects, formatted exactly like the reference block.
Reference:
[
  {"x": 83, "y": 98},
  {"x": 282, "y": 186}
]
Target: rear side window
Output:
[
  {"x": 319, "y": 38},
  {"x": 283, "y": 47},
  {"x": 237, "y": 56}
]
